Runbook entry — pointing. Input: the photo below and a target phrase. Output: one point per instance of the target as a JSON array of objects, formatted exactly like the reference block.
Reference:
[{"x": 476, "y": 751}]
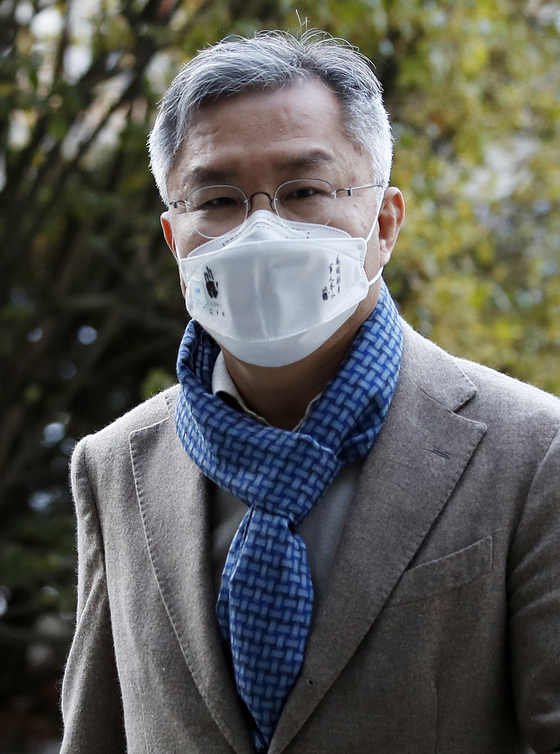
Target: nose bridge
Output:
[{"x": 263, "y": 204}]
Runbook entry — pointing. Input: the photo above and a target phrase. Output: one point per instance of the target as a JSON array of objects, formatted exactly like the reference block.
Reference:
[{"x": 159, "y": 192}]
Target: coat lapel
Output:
[
  {"x": 406, "y": 481},
  {"x": 173, "y": 499}
]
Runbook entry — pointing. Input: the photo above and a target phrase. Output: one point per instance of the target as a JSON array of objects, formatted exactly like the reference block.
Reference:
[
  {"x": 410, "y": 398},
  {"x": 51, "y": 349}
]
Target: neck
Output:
[{"x": 281, "y": 395}]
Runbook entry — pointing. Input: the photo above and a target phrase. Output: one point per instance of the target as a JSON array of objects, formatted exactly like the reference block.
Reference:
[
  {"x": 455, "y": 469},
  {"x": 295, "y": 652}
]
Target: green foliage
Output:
[
  {"x": 156, "y": 381},
  {"x": 91, "y": 312}
]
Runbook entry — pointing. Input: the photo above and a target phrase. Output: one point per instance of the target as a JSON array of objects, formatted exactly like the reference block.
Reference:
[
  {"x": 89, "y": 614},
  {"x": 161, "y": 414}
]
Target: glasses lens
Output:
[
  {"x": 215, "y": 210},
  {"x": 306, "y": 200}
]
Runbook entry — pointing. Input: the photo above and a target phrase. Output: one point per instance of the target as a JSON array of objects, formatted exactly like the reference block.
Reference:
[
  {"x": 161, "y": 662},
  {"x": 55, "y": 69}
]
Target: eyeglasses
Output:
[{"x": 215, "y": 210}]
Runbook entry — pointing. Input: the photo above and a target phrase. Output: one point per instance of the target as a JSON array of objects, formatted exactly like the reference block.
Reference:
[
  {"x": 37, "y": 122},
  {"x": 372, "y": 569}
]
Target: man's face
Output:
[{"x": 258, "y": 140}]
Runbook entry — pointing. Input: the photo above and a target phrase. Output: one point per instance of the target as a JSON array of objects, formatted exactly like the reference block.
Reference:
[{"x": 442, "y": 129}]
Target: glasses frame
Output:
[{"x": 248, "y": 200}]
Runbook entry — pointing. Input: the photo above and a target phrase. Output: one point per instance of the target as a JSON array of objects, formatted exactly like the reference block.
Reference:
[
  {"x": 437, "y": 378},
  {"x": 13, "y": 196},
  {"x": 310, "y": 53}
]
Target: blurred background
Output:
[{"x": 90, "y": 308}]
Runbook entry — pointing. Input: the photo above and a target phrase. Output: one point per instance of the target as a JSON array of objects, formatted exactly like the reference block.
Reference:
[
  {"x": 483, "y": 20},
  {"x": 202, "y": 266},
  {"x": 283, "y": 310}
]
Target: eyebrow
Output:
[
  {"x": 316, "y": 157},
  {"x": 200, "y": 175}
]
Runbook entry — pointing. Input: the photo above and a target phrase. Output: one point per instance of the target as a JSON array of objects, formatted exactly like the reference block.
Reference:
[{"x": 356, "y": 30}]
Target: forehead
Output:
[{"x": 297, "y": 127}]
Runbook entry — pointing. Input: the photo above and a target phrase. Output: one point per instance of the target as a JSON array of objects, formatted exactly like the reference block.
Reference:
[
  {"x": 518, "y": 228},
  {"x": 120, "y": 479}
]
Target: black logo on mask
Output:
[{"x": 211, "y": 284}]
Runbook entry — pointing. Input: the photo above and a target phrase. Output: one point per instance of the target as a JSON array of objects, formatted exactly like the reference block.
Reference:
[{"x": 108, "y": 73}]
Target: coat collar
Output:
[{"x": 407, "y": 479}]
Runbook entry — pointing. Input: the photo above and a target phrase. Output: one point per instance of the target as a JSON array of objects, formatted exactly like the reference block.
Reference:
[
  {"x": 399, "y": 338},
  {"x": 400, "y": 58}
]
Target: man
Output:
[{"x": 331, "y": 536}]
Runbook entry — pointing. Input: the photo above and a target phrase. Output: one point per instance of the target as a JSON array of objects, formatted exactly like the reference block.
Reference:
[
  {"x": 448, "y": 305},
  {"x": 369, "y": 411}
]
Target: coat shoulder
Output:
[
  {"x": 509, "y": 391},
  {"x": 112, "y": 438},
  {"x": 477, "y": 391}
]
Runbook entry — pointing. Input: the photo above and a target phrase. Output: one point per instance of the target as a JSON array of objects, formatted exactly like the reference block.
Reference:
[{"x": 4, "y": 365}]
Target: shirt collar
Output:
[{"x": 224, "y": 387}]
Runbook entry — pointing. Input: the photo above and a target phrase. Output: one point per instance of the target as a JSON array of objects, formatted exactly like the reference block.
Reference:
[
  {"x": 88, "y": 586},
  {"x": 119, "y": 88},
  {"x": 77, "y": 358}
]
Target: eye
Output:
[
  {"x": 303, "y": 193},
  {"x": 306, "y": 192},
  {"x": 217, "y": 202},
  {"x": 215, "y": 199},
  {"x": 304, "y": 189}
]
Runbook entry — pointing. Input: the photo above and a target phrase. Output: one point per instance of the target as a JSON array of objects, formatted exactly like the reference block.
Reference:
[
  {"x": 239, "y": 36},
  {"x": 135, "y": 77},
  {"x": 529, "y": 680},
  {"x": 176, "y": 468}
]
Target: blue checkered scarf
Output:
[{"x": 265, "y": 601}]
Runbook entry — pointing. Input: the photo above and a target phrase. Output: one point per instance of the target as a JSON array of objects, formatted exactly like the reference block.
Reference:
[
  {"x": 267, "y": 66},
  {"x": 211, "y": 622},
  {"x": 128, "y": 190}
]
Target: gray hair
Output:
[{"x": 266, "y": 62}]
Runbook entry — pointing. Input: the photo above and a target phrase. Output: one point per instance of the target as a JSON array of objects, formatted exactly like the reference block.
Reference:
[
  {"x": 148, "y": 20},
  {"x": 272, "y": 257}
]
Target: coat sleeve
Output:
[
  {"x": 534, "y": 608},
  {"x": 91, "y": 698}
]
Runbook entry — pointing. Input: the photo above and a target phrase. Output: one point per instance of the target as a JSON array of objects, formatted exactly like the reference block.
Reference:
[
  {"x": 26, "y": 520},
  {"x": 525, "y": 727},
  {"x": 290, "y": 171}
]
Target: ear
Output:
[
  {"x": 390, "y": 220},
  {"x": 168, "y": 233}
]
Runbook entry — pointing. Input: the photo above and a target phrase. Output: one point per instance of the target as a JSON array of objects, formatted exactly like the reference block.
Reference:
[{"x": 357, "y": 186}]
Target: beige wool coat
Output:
[{"x": 440, "y": 629}]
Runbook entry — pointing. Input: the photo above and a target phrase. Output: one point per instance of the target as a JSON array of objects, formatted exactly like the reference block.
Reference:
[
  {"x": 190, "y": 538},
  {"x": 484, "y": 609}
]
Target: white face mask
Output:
[{"x": 273, "y": 291}]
